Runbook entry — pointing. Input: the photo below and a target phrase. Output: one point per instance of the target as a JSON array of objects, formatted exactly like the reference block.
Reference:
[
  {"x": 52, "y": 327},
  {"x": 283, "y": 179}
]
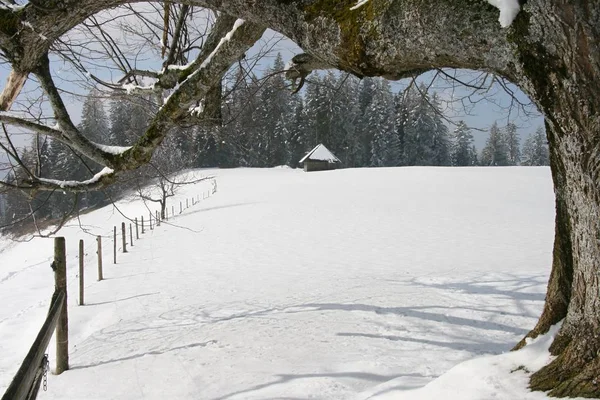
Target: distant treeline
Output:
[{"x": 264, "y": 125}]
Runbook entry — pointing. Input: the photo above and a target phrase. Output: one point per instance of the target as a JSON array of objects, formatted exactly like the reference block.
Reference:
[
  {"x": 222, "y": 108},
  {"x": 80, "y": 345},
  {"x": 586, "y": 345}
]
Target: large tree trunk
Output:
[
  {"x": 563, "y": 74},
  {"x": 552, "y": 51}
]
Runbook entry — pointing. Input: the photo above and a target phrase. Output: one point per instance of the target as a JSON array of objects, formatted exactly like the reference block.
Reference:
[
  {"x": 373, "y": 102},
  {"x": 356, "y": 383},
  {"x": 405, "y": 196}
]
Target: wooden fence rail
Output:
[
  {"x": 26, "y": 382},
  {"x": 28, "y": 379}
]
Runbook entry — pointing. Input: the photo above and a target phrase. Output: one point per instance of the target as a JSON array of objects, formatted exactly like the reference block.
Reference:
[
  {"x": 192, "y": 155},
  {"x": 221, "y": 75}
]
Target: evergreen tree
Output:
[
  {"x": 296, "y": 142},
  {"x": 364, "y": 133},
  {"x": 343, "y": 116},
  {"x": 275, "y": 114},
  {"x": 400, "y": 120},
  {"x": 416, "y": 127},
  {"x": 440, "y": 145},
  {"x": 206, "y": 148},
  {"x": 495, "y": 152},
  {"x": 512, "y": 140},
  {"x": 425, "y": 135},
  {"x": 129, "y": 118},
  {"x": 238, "y": 142},
  {"x": 463, "y": 152},
  {"x": 474, "y": 156},
  {"x": 94, "y": 124},
  {"x": 380, "y": 116},
  {"x": 535, "y": 149},
  {"x": 319, "y": 95}
]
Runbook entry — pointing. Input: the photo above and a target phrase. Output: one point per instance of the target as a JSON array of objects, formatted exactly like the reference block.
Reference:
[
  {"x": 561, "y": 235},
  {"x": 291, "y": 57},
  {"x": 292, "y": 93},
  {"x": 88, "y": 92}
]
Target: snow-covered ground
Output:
[{"x": 349, "y": 284}]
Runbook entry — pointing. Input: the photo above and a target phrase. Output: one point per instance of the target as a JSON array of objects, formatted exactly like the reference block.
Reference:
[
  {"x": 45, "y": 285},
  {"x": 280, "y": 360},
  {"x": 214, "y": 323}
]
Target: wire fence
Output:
[{"x": 32, "y": 375}]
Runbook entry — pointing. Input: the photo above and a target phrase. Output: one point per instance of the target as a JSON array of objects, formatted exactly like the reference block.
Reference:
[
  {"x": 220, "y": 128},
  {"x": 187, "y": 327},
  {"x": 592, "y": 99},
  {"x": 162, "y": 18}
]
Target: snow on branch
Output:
[
  {"x": 114, "y": 150},
  {"x": 173, "y": 76},
  {"x": 209, "y": 57},
  {"x": 359, "y": 4},
  {"x": 227, "y": 42},
  {"x": 508, "y": 10},
  {"x": 84, "y": 185},
  {"x": 133, "y": 88}
]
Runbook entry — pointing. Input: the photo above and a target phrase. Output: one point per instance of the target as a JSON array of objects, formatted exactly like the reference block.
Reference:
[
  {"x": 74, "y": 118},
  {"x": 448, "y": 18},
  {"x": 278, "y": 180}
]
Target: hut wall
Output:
[{"x": 311, "y": 165}]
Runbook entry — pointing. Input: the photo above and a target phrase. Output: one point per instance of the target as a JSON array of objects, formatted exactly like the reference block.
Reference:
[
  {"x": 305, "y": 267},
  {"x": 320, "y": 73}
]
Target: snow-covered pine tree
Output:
[
  {"x": 535, "y": 149},
  {"x": 400, "y": 120},
  {"x": 344, "y": 117},
  {"x": 440, "y": 144},
  {"x": 425, "y": 135},
  {"x": 364, "y": 133},
  {"x": 513, "y": 143},
  {"x": 462, "y": 146},
  {"x": 238, "y": 141},
  {"x": 296, "y": 141},
  {"x": 495, "y": 152},
  {"x": 380, "y": 114},
  {"x": 94, "y": 123},
  {"x": 275, "y": 115}
]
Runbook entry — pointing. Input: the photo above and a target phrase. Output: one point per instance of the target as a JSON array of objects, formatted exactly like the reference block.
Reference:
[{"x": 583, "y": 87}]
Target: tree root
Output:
[{"x": 569, "y": 375}]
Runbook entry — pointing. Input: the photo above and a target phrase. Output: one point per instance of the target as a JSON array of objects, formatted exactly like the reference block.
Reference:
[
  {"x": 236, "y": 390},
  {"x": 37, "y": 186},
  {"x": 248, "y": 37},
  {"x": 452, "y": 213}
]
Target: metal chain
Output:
[{"x": 46, "y": 367}]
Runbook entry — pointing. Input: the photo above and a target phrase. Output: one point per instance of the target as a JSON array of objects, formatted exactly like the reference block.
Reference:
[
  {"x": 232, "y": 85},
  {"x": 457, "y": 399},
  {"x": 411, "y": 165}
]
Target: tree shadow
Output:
[
  {"x": 124, "y": 299},
  {"x": 415, "y": 312},
  {"x": 471, "y": 347},
  {"x": 483, "y": 287},
  {"x": 219, "y": 207},
  {"x": 148, "y": 353},
  {"x": 285, "y": 378},
  {"x": 110, "y": 278}
]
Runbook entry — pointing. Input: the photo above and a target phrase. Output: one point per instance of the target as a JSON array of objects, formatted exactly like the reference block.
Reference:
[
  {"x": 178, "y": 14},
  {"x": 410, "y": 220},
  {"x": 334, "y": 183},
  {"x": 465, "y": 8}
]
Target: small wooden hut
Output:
[{"x": 320, "y": 159}]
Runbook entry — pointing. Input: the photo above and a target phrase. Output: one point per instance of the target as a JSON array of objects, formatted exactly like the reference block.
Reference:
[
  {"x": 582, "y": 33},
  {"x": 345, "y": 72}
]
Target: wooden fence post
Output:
[
  {"x": 62, "y": 328},
  {"x": 115, "y": 245},
  {"x": 130, "y": 235},
  {"x": 187, "y": 205},
  {"x": 142, "y": 224},
  {"x": 173, "y": 211},
  {"x": 157, "y": 218},
  {"x": 124, "y": 236},
  {"x": 99, "y": 240},
  {"x": 150, "y": 219},
  {"x": 166, "y": 213},
  {"x": 180, "y": 208},
  {"x": 137, "y": 232},
  {"x": 81, "y": 273}
]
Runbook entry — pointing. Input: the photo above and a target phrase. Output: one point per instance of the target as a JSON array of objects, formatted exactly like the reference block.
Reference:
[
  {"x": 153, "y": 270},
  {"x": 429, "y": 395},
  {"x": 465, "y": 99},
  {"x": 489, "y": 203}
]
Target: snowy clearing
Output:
[{"x": 348, "y": 284}]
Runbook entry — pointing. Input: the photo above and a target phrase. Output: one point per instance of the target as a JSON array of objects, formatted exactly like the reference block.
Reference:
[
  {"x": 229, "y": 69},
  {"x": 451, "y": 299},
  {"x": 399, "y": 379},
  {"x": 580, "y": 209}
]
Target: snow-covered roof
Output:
[{"x": 320, "y": 153}]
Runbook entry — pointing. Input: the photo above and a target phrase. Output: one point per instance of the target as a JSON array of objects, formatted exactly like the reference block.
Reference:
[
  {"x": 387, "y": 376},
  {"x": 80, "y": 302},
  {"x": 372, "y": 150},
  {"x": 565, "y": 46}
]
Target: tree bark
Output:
[
  {"x": 552, "y": 51},
  {"x": 562, "y": 73}
]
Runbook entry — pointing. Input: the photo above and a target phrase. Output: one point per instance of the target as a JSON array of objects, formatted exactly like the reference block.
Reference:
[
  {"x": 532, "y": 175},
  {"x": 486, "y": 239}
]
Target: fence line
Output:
[{"x": 34, "y": 368}]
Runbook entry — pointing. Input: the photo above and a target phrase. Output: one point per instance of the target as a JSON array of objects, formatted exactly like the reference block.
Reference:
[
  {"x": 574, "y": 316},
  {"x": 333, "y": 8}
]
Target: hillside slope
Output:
[{"x": 294, "y": 285}]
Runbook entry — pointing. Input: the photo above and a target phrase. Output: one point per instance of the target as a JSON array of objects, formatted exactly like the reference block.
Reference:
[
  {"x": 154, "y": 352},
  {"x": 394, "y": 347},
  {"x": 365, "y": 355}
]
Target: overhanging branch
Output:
[
  {"x": 227, "y": 42},
  {"x": 229, "y": 39}
]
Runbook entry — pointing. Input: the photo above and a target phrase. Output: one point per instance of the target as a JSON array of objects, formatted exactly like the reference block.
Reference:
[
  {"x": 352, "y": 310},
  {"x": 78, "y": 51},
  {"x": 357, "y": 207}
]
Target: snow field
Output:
[{"x": 296, "y": 285}]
